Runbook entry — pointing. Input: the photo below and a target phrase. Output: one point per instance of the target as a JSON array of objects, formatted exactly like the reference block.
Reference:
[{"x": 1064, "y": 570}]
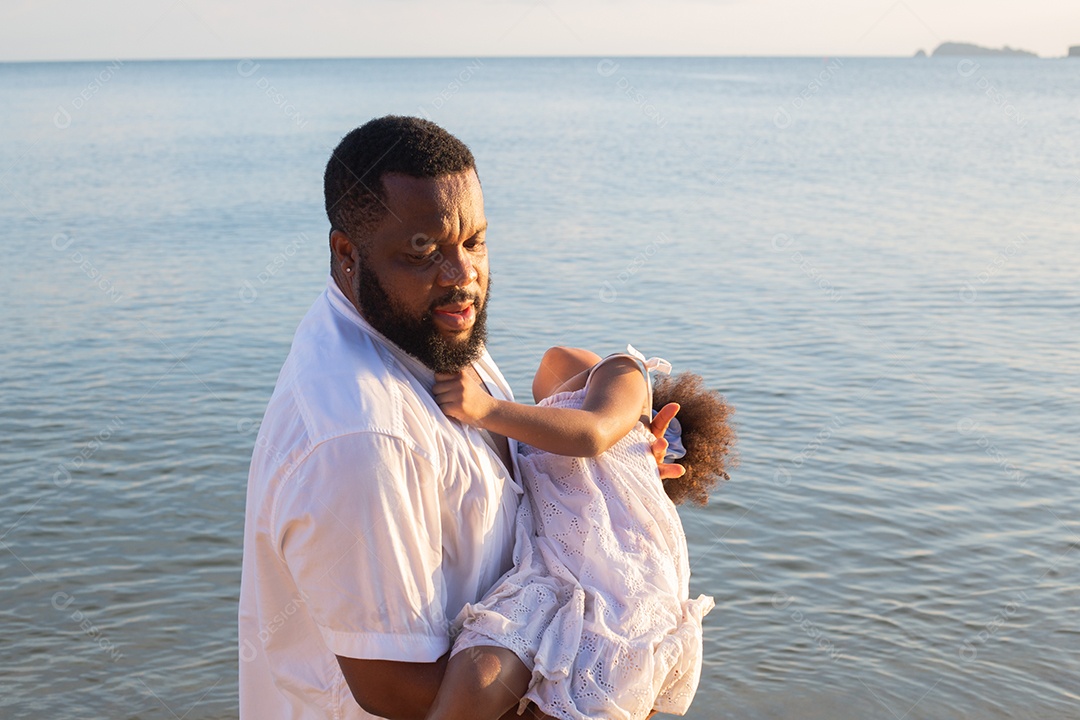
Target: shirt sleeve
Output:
[{"x": 358, "y": 526}]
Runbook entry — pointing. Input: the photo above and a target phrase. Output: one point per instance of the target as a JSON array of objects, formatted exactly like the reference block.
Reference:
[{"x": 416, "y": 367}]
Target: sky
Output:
[{"x": 168, "y": 29}]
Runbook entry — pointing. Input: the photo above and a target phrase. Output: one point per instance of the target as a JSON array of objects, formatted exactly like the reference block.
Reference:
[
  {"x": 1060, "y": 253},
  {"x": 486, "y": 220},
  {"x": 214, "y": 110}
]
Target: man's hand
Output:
[
  {"x": 462, "y": 398},
  {"x": 658, "y": 427}
]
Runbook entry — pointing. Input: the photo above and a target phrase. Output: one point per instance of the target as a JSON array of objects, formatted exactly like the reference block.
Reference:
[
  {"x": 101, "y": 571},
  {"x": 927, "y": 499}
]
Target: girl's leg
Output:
[{"x": 481, "y": 683}]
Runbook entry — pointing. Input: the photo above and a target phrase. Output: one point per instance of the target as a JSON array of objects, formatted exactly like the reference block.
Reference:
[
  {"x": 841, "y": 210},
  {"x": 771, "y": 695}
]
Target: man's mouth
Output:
[{"x": 456, "y": 316}]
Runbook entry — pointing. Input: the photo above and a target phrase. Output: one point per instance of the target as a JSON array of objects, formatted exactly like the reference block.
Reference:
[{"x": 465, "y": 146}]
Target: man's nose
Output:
[{"x": 456, "y": 268}]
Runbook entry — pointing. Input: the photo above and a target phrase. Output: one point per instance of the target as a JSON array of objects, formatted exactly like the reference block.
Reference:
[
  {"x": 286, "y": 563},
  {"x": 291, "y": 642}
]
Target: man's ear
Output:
[{"x": 343, "y": 249}]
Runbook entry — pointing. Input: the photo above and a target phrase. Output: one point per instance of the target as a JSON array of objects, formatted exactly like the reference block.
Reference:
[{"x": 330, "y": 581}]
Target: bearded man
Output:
[{"x": 372, "y": 517}]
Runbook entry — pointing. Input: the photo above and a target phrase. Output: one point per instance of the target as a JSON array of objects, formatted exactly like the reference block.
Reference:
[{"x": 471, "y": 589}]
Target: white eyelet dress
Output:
[{"x": 597, "y": 603}]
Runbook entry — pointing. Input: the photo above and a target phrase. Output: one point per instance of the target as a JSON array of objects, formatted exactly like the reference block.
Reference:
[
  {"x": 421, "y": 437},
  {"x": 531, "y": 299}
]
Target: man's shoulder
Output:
[
  {"x": 334, "y": 422},
  {"x": 339, "y": 381},
  {"x": 339, "y": 378}
]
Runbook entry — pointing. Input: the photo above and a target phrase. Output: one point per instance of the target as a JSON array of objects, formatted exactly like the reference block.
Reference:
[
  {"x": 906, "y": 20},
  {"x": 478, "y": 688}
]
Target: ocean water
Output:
[{"x": 877, "y": 261}]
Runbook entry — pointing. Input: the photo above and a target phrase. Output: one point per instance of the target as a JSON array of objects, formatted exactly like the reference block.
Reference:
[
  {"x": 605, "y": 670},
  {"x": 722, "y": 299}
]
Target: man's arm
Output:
[
  {"x": 391, "y": 689},
  {"x": 357, "y": 529},
  {"x": 404, "y": 690}
]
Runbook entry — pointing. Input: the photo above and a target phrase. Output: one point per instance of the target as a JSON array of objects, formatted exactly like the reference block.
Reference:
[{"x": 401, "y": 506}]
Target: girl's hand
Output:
[
  {"x": 659, "y": 447},
  {"x": 462, "y": 398}
]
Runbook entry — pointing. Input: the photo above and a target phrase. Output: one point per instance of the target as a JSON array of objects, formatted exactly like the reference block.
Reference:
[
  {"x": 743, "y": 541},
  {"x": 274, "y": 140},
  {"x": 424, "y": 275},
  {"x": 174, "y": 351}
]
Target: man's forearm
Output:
[{"x": 394, "y": 690}]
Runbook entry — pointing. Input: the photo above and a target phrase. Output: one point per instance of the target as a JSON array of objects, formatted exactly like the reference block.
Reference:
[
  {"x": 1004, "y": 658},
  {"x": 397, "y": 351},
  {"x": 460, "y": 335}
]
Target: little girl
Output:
[{"x": 594, "y": 620}]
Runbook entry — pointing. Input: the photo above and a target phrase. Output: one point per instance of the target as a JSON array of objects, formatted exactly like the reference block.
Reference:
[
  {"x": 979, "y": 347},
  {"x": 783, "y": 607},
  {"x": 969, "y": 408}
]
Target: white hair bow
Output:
[{"x": 673, "y": 434}]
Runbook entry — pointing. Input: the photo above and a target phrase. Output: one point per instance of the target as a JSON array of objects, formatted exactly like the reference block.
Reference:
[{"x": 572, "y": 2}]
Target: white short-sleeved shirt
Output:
[{"x": 372, "y": 518}]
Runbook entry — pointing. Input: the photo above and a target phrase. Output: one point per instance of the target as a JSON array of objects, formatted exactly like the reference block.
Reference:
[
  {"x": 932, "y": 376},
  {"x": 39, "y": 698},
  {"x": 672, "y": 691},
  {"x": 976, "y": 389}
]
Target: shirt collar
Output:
[
  {"x": 424, "y": 374},
  {"x": 485, "y": 366}
]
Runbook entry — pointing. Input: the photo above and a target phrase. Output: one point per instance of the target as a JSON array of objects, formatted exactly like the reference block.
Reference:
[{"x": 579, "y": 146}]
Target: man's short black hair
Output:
[{"x": 353, "y": 185}]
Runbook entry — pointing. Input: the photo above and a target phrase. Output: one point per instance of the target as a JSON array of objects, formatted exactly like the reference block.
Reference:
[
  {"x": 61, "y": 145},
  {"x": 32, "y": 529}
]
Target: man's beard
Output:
[{"x": 420, "y": 336}]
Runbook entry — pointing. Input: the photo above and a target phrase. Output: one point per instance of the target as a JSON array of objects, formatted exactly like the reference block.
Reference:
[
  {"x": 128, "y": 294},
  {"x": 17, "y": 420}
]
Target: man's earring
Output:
[{"x": 348, "y": 269}]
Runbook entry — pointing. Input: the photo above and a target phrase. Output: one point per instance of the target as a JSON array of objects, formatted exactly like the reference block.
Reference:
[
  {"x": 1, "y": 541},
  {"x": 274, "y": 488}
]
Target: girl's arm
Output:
[
  {"x": 562, "y": 368},
  {"x": 613, "y": 403}
]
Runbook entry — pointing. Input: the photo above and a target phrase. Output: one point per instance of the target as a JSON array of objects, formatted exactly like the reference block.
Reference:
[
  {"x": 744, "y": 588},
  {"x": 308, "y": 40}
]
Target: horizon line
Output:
[{"x": 911, "y": 56}]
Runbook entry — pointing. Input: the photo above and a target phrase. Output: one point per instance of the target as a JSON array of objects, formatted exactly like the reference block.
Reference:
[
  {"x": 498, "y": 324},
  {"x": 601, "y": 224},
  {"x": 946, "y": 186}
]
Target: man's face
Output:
[{"x": 422, "y": 278}]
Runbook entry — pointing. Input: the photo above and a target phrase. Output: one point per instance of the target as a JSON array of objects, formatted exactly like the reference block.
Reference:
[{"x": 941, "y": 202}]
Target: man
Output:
[{"x": 372, "y": 517}]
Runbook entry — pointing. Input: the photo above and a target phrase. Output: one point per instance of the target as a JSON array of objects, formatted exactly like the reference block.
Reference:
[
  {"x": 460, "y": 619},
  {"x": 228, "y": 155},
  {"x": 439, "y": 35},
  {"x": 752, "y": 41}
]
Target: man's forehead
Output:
[
  {"x": 440, "y": 192},
  {"x": 448, "y": 199}
]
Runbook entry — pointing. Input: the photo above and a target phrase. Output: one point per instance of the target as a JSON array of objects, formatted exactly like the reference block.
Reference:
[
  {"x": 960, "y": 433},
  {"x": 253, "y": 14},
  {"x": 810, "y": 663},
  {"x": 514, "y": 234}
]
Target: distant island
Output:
[{"x": 947, "y": 49}]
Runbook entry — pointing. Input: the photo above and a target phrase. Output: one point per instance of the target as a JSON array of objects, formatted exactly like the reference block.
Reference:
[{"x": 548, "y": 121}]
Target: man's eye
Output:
[{"x": 421, "y": 259}]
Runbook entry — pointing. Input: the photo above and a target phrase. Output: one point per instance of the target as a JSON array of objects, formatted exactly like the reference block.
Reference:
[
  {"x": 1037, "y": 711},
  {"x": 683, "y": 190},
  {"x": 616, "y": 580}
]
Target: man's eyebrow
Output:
[{"x": 421, "y": 240}]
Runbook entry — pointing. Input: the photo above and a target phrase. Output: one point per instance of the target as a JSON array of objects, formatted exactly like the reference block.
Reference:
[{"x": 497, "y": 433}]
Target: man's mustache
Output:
[{"x": 457, "y": 295}]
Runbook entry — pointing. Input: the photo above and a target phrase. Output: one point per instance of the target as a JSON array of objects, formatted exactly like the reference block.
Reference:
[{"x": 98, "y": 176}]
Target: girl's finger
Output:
[
  {"x": 444, "y": 386},
  {"x": 659, "y": 449},
  {"x": 663, "y": 418},
  {"x": 671, "y": 470}
]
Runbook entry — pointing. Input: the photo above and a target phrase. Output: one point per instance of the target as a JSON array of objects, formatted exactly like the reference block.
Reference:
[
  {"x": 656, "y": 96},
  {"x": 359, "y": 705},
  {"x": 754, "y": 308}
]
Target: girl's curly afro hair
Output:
[{"x": 708, "y": 438}]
